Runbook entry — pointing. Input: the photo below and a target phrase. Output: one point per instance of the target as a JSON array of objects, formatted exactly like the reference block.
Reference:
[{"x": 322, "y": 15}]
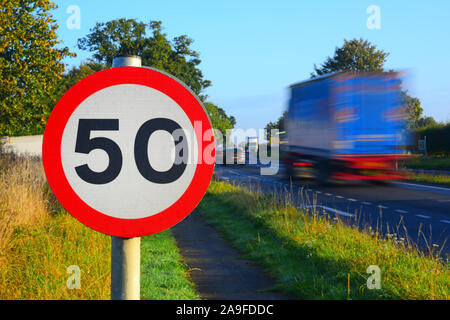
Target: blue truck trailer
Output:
[{"x": 349, "y": 126}]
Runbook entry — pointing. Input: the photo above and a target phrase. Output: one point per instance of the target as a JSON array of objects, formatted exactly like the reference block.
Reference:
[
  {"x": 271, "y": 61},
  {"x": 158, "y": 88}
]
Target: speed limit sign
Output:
[{"x": 129, "y": 151}]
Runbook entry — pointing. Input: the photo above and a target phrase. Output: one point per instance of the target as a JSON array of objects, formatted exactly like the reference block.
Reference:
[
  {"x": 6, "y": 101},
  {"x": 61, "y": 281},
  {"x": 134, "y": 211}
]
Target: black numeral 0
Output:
[
  {"x": 85, "y": 145},
  {"x": 141, "y": 151}
]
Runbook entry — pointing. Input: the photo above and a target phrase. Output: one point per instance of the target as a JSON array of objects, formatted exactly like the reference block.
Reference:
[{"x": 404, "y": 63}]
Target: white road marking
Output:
[
  {"x": 340, "y": 197},
  {"x": 318, "y": 191},
  {"x": 401, "y": 211},
  {"x": 235, "y": 172},
  {"x": 350, "y": 199},
  {"x": 328, "y": 194},
  {"x": 422, "y": 216},
  {"x": 423, "y": 187},
  {"x": 445, "y": 221},
  {"x": 366, "y": 203},
  {"x": 342, "y": 213},
  {"x": 382, "y": 207}
]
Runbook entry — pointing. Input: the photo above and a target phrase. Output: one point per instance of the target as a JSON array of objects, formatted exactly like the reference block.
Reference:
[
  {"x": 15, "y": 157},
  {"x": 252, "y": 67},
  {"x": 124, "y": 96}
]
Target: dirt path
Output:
[{"x": 217, "y": 269}]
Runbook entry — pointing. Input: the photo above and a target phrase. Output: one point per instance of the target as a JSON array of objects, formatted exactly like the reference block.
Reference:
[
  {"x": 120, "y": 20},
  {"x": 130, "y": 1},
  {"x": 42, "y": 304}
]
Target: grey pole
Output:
[{"x": 125, "y": 252}]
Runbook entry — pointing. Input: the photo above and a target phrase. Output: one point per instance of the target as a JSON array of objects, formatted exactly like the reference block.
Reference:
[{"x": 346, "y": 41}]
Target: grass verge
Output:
[
  {"x": 39, "y": 241},
  {"x": 163, "y": 275},
  {"x": 313, "y": 257},
  {"x": 435, "y": 179},
  {"x": 428, "y": 163}
]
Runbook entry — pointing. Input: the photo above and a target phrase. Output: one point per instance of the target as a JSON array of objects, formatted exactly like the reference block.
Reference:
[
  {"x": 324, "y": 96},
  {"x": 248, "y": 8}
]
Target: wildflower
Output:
[{"x": 309, "y": 243}]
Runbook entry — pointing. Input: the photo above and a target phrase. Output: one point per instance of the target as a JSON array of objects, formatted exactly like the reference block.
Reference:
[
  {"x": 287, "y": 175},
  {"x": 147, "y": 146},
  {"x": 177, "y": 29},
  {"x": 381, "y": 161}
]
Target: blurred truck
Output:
[{"x": 349, "y": 126}]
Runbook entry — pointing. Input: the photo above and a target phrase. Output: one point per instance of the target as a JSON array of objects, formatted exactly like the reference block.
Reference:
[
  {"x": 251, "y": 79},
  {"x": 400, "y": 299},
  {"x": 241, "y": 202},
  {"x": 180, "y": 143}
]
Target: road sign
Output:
[
  {"x": 129, "y": 151},
  {"x": 274, "y": 140}
]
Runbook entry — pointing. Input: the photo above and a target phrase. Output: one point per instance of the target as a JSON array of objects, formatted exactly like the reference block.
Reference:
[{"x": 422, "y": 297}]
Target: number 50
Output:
[{"x": 85, "y": 144}]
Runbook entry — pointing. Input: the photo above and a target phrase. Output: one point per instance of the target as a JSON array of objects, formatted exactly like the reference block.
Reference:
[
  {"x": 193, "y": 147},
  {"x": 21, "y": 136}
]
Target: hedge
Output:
[{"x": 438, "y": 138}]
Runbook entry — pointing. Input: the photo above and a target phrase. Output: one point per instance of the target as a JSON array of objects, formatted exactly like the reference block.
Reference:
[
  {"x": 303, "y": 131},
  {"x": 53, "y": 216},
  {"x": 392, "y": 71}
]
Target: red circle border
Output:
[{"x": 51, "y": 152}]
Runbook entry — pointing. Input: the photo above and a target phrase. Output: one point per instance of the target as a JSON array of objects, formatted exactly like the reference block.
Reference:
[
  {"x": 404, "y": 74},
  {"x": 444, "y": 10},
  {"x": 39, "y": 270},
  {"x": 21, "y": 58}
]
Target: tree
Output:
[
  {"x": 78, "y": 73},
  {"x": 426, "y": 122},
  {"x": 355, "y": 55},
  {"x": 414, "y": 110},
  {"x": 128, "y": 36},
  {"x": 75, "y": 74},
  {"x": 279, "y": 125},
  {"x": 30, "y": 65},
  {"x": 219, "y": 119}
]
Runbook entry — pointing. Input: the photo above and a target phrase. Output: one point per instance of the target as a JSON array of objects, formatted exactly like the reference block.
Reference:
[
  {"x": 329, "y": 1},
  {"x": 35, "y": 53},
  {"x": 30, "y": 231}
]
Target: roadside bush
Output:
[{"x": 438, "y": 138}]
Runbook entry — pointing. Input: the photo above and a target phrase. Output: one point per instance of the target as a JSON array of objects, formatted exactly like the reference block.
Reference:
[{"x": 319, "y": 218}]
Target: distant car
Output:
[{"x": 230, "y": 155}]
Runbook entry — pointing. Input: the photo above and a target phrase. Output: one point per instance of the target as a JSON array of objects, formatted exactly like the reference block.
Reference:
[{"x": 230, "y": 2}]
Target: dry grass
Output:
[
  {"x": 39, "y": 240},
  {"x": 22, "y": 202}
]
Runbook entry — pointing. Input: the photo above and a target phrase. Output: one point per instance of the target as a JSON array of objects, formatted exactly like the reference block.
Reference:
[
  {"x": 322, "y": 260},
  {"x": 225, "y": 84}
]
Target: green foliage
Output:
[
  {"x": 78, "y": 73},
  {"x": 438, "y": 138},
  {"x": 279, "y": 125},
  {"x": 355, "y": 55},
  {"x": 428, "y": 163},
  {"x": 440, "y": 180},
  {"x": 75, "y": 75},
  {"x": 426, "y": 122},
  {"x": 219, "y": 119},
  {"x": 128, "y": 36},
  {"x": 30, "y": 65},
  {"x": 414, "y": 111}
]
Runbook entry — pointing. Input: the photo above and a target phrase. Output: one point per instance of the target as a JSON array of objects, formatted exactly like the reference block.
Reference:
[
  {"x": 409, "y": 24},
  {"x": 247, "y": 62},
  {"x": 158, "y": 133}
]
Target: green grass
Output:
[
  {"x": 35, "y": 265},
  {"x": 163, "y": 275},
  {"x": 428, "y": 163},
  {"x": 312, "y": 257},
  {"x": 431, "y": 179}
]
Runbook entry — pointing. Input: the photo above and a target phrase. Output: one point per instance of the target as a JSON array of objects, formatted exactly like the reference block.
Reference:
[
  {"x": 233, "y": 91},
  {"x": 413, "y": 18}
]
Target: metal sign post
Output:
[
  {"x": 126, "y": 252},
  {"x": 125, "y": 268}
]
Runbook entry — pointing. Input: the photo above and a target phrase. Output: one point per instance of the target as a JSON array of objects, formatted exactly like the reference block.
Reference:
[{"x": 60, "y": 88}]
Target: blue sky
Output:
[{"x": 253, "y": 50}]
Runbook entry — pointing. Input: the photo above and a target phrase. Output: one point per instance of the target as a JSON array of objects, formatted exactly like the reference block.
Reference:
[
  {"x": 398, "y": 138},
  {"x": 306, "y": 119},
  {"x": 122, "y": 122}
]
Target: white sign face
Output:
[
  {"x": 116, "y": 122},
  {"x": 421, "y": 144}
]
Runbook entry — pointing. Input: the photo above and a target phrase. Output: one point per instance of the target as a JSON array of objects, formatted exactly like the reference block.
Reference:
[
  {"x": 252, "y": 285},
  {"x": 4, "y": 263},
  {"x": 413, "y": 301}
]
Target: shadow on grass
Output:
[{"x": 298, "y": 269}]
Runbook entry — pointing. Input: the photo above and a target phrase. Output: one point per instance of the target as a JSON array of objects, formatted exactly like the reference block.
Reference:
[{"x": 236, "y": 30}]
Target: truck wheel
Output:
[
  {"x": 289, "y": 172},
  {"x": 323, "y": 173}
]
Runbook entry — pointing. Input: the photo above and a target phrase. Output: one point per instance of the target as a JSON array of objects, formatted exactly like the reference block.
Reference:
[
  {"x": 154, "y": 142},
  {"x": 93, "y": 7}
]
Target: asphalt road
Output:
[{"x": 419, "y": 212}]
